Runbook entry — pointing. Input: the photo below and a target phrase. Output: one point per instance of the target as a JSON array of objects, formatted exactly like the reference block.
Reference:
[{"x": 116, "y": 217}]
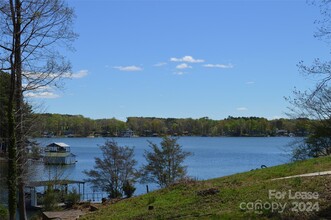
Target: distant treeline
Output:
[{"x": 77, "y": 125}]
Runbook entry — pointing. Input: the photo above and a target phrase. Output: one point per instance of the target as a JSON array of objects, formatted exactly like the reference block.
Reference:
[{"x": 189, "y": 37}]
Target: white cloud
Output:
[
  {"x": 222, "y": 66},
  {"x": 188, "y": 59},
  {"x": 128, "y": 68},
  {"x": 160, "y": 64},
  {"x": 242, "y": 109},
  {"x": 36, "y": 75},
  {"x": 79, "y": 74},
  {"x": 46, "y": 91},
  {"x": 44, "y": 95},
  {"x": 179, "y": 73},
  {"x": 183, "y": 66},
  {"x": 249, "y": 82}
]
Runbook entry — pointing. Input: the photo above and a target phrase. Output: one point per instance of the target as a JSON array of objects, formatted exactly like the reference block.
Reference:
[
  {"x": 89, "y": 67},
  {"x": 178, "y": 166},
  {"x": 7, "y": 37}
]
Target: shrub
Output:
[
  {"x": 3, "y": 212},
  {"x": 50, "y": 200},
  {"x": 128, "y": 189},
  {"x": 72, "y": 198}
]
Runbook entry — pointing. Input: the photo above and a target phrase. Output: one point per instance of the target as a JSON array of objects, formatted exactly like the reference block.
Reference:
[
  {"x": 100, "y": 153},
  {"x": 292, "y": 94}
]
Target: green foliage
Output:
[
  {"x": 51, "y": 199},
  {"x": 128, "y": 189},
  {"x": 3, "y": 212},
  {"x": 165, "y": 163},
  {"x": 72, "y": 198},
  {"x": 60, "y": 125},
  {"x": 114, "y": 193},
  {"x": 315, "y": 145}
]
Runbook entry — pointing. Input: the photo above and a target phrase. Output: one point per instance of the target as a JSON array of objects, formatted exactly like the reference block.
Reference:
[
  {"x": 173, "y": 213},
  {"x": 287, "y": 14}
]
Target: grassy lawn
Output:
[{"x": 236, "y": 197}]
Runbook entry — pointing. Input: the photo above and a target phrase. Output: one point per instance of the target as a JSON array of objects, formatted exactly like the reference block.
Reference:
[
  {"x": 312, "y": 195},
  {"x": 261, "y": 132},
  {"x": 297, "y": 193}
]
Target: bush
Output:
[
  {"x": 3, "y": 212},
  {"x": 114, "y": 194},
  {"x": 128, "y": 189},
  {"x": 50, "y": 200},
  {"x": 72, "y": 198}
]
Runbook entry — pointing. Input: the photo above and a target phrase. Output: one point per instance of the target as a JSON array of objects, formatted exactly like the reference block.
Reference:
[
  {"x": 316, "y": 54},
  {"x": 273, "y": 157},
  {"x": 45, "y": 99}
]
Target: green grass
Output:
[{"x": 182, "y": 201}]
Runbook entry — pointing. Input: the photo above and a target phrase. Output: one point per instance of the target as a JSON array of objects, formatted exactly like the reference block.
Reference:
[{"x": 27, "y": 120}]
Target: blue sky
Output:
[{"x": 187, "y": 58}]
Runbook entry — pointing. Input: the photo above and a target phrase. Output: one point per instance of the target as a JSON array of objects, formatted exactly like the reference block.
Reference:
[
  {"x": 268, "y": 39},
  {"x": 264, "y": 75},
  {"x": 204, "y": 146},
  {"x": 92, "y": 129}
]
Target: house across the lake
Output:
[
  {"x": 59, "y": 154},
  {"x": 127, "y": 133}
]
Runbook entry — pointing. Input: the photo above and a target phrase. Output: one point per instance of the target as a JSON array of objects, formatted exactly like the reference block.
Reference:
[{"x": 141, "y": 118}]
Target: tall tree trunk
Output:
[
  {"x": 15, "y": 131},
  {"x": 19, "y": 113}
]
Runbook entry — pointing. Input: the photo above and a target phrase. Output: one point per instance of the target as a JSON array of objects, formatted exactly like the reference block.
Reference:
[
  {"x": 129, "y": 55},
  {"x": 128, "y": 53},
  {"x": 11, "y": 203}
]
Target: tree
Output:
[
  {"x": 317, "y": 106},
  {"x": 114, "y": 171},
  {"x": 164, "y": 164},
  {"x": 316, "y": 103},
  {"x": 29, "y": 30}
]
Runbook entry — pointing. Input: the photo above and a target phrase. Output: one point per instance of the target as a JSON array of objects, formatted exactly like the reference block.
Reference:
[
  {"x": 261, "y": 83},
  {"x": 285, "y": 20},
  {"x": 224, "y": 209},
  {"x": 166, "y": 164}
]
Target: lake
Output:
[{"x": 212, "y": 156}]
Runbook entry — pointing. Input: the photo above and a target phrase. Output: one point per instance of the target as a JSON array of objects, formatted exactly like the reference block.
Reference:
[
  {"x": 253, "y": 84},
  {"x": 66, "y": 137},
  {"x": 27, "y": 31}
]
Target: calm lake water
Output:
[{"x": 212, "y": 156}]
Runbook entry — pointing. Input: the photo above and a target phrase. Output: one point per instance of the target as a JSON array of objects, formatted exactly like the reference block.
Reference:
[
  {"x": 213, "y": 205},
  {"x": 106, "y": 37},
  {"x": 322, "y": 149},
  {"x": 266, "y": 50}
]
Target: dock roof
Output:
[
  {"x": 60, "y": 144},
  {"x": 52, "y": 182}
]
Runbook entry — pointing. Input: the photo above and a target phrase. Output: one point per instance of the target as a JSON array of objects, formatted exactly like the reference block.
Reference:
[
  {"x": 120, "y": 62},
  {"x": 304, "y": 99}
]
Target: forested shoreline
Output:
[{"x": 50, "y": 125}]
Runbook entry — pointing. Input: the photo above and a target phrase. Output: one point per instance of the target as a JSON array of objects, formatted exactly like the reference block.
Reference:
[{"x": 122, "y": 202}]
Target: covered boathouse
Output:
[{"x": 59, "y": 154}]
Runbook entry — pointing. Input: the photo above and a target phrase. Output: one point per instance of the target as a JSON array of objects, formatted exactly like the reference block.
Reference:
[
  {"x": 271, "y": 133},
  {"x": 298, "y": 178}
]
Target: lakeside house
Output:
[
  {"x": 59, "y": 154},
  {"x": 127, "y": 133}
]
